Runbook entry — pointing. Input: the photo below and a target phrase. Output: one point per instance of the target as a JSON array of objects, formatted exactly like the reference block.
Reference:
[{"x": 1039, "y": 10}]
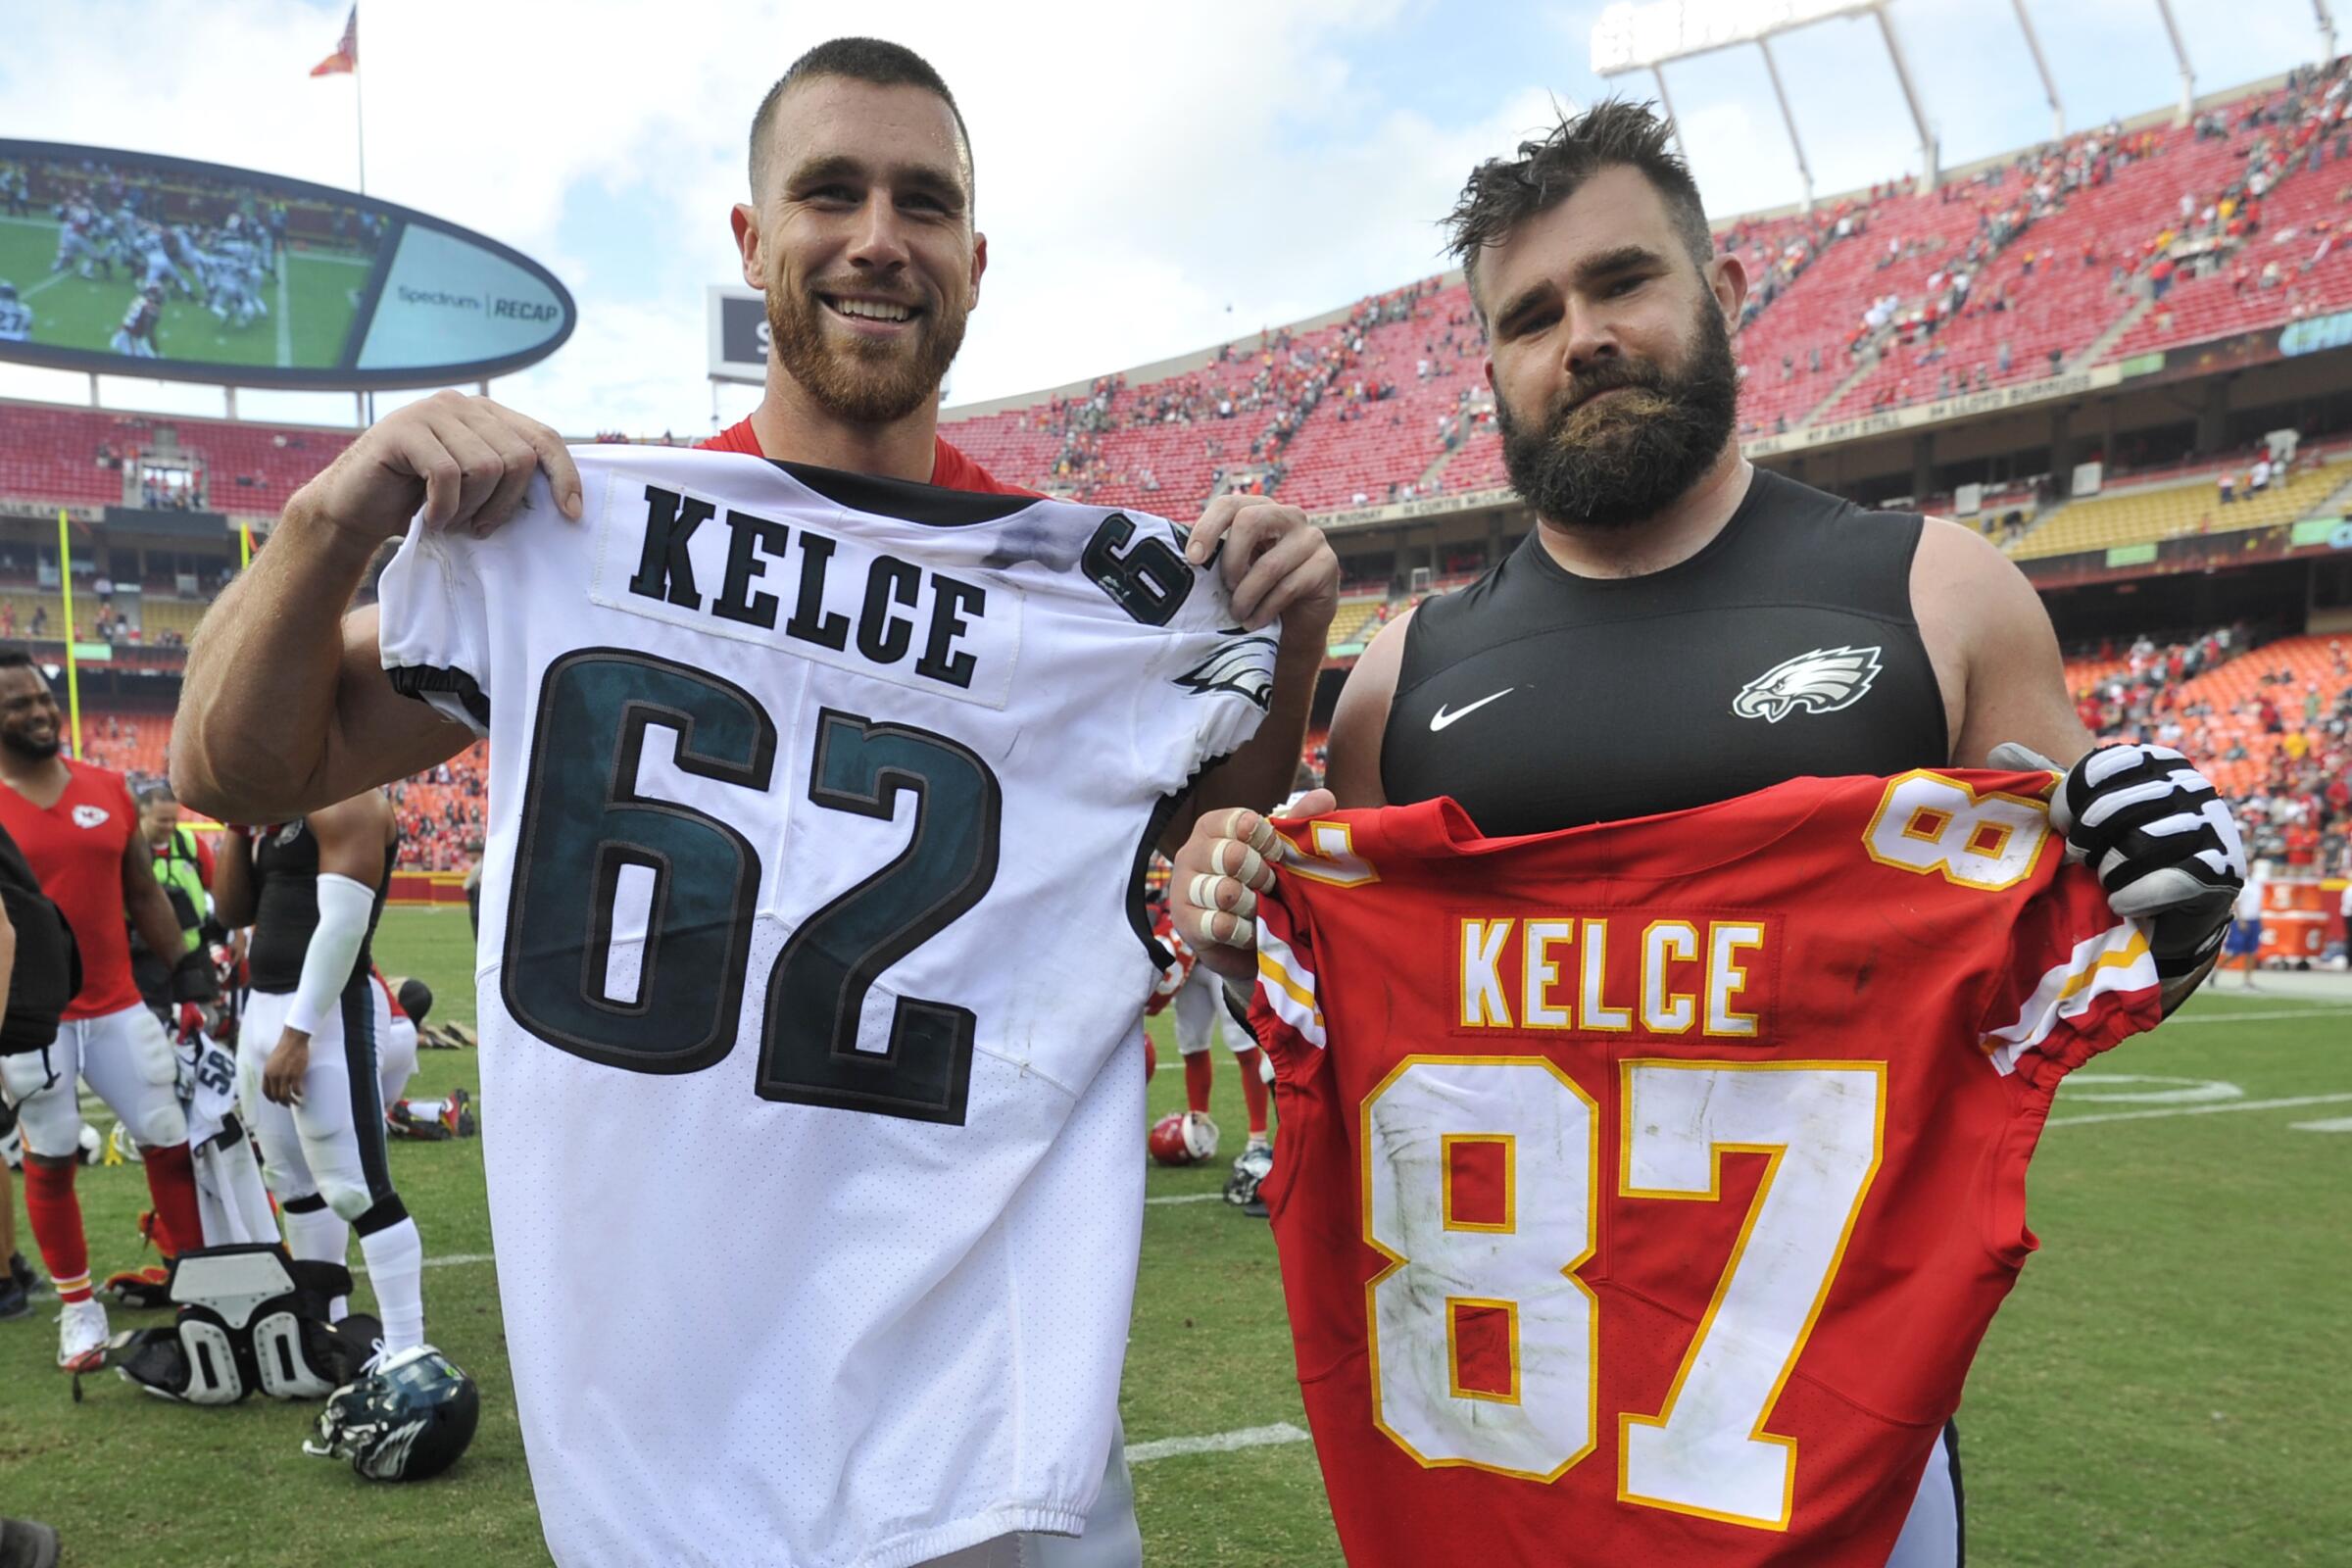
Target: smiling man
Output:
[{"x": 881, "y": 1395}]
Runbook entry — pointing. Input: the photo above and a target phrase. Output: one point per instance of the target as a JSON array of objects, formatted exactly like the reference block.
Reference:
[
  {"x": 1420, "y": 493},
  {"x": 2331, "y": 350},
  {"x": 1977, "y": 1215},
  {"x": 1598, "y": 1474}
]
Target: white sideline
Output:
[
  {"x": 1214, "y": 1443},
  {"x": 2176, "y": 1020},
  {"x": 2198, "y": 1110}
]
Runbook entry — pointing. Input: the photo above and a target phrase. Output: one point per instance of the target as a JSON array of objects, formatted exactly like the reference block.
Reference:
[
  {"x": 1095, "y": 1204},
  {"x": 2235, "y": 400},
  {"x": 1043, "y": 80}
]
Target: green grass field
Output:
[
  {"x": 2165, "y": 1388},
  {"x": 310, "y": 310}
]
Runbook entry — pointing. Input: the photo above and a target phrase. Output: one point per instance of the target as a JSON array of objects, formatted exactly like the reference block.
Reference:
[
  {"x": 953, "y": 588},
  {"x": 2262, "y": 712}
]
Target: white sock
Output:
[
  {"x": 395, "y": 1268},
  {"x": 320, "y": 1236}
]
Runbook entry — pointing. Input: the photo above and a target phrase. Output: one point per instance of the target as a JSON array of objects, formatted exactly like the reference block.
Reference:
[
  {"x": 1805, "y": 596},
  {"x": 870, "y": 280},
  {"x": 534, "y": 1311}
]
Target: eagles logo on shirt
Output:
[
  {"x": 1822, "y": 681},
  {"x": 1245, "y": 665}
]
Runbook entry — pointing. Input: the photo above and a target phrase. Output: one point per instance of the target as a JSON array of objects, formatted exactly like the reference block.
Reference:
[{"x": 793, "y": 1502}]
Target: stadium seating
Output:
[
  {"x": 1353, "y": 623},
  {"x": 2235, "y": 692},
  {"x": 2189, "y": 505},
  {"x": 2056, "y": 304},
  {"x": 128, "y": 742},
  {"x": 52, "y": 453}
]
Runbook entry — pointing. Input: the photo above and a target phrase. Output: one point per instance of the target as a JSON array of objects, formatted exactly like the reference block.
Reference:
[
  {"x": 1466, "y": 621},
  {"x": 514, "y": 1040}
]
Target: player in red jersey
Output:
[
  {"x": 79, "y": 831},
  {"x": 1648, "y": 1186},
  {"x": 1682, "y": 627}
]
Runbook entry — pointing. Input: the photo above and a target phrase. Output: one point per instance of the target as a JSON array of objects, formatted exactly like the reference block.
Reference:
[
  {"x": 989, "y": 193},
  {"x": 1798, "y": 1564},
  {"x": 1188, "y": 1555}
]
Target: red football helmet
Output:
[{"x": 1183, "y": 1138}]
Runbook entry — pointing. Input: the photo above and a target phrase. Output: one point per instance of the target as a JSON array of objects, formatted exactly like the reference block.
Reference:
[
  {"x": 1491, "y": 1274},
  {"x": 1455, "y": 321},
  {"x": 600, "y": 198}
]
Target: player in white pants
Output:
[
  {"x": 395, "y": 1044},
  {"x": 306, "y": 1058},
  {"x": 128, "y": 1060}
]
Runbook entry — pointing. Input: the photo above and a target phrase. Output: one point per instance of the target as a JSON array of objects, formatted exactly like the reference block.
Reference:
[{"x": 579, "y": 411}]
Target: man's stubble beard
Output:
[
  {"x": 864, "y": 380},
  {"x": 1617, "y": 462},
  {"x": 25, "y": 751}
]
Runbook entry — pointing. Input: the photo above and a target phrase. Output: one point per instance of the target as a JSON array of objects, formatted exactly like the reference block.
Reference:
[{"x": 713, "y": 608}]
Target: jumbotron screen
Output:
[{"x": 136, "y": 265}]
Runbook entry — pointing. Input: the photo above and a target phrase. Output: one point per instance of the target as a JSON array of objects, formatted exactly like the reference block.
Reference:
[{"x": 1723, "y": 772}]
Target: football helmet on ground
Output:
[
  {"x": 1183, "y": 1138},
  {"x": 408, "y": 1418}
]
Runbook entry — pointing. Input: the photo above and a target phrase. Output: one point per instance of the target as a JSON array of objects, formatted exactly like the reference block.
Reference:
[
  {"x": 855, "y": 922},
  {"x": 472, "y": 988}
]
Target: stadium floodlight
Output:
[
  {"x": 1647, "y": 34},
  {"x": 2050, "y": 86},
  {"x": 1631, "y": 36},
  {"x": 2188, "y": 74}
]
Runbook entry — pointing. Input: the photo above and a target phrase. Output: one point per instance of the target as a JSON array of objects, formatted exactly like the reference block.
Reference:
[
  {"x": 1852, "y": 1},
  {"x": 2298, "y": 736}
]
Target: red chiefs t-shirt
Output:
[
  {"x": 951, "y": 470},
  {"x": 75, "y": 848},
  {"x": 1645, "y": 1188}
]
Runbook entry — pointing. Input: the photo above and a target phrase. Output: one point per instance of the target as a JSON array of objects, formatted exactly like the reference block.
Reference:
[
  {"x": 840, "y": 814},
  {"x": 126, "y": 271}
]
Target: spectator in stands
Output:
[
  {"x": 40, "y": 621},
  {"x": 2228, "y": 484},
  {"x": 2259, "y": 479}
]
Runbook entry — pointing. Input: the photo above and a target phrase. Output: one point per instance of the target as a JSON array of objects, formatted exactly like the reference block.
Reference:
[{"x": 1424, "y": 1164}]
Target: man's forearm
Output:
[
  {"x": 259, "y": 697},
  {"x": 1258, "y": 775},
  {"x": 152, "y": 917}
]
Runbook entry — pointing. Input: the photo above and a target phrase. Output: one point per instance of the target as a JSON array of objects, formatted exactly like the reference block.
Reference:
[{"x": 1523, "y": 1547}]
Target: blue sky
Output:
[{"x": 1151, "y": 180}]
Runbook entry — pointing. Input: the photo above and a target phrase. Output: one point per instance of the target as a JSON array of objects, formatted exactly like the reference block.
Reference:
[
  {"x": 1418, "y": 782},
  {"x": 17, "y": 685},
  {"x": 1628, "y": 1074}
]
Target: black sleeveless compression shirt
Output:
[
  {"x": 1541, "y": 700},
  {"x": 285, "y": 910}
]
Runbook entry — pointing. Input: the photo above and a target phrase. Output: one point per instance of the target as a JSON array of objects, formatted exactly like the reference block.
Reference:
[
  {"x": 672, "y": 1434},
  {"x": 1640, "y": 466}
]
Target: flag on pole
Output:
[{"x": 346, "y": 57}]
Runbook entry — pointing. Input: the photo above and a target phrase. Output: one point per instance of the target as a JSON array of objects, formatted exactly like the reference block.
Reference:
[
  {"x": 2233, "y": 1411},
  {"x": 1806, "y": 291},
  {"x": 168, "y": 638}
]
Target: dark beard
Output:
[
  {"x": 870, "y": 381},
  {"x": 1621, "y": 462},
  {"x": 32, "y": 751}
]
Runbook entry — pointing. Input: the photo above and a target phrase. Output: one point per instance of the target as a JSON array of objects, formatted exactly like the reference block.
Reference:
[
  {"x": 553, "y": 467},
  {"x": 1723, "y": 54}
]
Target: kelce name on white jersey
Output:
[{"x": 904, "y": 621}]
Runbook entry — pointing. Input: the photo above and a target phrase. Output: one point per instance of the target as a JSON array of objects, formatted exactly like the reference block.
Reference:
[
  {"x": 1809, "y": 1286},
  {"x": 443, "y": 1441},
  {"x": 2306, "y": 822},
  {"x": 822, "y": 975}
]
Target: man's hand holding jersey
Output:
[
  {"x": 466, "y": 462},
  {"x": 2162, "y": 841},
  {"x": 1217, "y": 876},
  {"x": 1276, "y": 564},
  {"x": 1277, "y": 569}
]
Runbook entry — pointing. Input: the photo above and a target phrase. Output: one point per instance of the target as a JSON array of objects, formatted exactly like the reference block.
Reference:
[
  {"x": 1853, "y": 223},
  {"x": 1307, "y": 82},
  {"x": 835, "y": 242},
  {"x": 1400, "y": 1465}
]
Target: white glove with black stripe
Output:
[{"x": 2162, "y": 841}]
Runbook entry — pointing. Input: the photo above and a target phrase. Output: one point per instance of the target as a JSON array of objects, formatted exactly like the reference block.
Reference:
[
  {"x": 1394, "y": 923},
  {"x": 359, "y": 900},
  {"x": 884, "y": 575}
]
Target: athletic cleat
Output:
[
  {"x": 406, "y": 1120},
  {"x": 81, "y": 1336},
  {"x": 26, "y": 1277},
  {"x": 14, "y": 1301},
  {"x": 140, "y": 1290},
  {"x": 433, "y": 1120}
]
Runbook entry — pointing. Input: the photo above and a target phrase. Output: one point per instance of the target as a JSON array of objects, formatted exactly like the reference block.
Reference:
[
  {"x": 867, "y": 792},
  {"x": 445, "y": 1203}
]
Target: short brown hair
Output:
[
  {"x": 1616, "y": 132},
  {"x": 876, "y": 61}
]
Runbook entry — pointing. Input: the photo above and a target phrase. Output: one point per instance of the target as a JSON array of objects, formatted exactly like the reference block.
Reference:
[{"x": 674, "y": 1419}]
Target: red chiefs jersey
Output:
[
  {"x": 1179, "y": 968},
  {"x": 391, "y": 999},
  {"x": 1645, "y": 1188},
  {"x": 951, "y": 468},
  {"x": 75, "y": 848}
]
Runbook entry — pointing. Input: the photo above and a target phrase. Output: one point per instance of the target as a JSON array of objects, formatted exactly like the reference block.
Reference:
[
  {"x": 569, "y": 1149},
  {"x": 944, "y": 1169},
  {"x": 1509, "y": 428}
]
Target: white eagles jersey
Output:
[{"x": 811, "y": 957}]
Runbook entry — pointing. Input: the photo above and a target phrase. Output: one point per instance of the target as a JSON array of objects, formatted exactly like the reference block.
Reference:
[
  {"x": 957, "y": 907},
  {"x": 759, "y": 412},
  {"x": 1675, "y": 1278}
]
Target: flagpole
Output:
[{"x": 359, "y": 121}]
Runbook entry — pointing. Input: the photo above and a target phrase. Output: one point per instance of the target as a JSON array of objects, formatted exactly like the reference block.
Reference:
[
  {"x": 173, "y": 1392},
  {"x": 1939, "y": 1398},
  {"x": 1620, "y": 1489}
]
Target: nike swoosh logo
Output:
[{"x": 1441, "y": 719}]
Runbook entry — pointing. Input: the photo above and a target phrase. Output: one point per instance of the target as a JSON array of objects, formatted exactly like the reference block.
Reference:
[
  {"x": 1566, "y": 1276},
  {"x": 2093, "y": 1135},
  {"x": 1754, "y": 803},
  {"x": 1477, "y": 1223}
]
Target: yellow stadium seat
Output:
[{"x": 2145, "y": 516}]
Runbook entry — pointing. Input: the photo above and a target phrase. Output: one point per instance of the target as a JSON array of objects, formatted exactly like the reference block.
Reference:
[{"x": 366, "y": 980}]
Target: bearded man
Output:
[{"x": 1682, "y": 627}]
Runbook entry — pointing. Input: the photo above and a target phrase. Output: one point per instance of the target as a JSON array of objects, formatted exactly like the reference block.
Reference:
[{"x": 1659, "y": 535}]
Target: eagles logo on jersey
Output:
[
  {"x": 1822, "y": 681},
  {"x": 1244, "y": 665}
]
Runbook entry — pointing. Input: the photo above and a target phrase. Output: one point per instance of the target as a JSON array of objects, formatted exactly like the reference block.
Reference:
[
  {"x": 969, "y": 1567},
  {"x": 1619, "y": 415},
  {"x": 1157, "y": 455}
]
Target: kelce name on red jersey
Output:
[{"x": 1671, "y": 977}]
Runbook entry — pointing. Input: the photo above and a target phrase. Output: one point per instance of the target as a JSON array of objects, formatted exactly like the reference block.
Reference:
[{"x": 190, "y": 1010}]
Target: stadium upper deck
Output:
[{"x": 2058, "y": 256}]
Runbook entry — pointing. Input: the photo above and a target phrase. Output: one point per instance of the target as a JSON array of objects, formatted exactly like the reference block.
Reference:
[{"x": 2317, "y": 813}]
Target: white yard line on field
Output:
[
  {"x": 1184, "y": 1198},
  {"x": 2199, "y": 1110},
  {"x": 2265, "y": 1016},
  {"x": 445, "y": 1260},
  {"x": 1215, "y": 1442}
]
